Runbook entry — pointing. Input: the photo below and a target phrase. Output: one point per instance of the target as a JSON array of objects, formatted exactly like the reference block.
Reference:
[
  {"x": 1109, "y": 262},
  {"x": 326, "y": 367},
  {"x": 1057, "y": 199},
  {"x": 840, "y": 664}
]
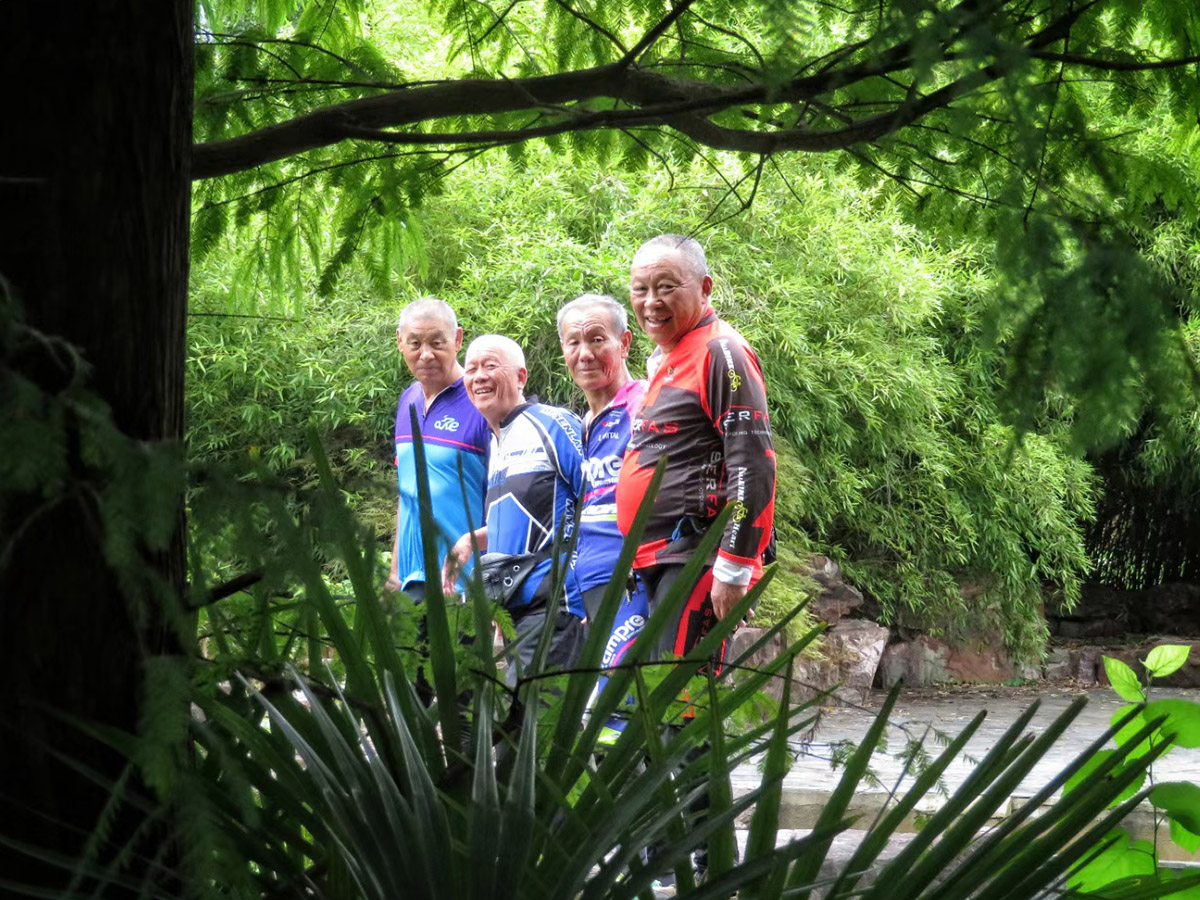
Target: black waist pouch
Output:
[{"x": 504, "y": 575}]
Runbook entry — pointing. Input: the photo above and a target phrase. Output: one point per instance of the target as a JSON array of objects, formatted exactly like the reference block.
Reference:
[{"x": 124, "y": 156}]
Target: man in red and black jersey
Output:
[{"x": 706, "y": 410}]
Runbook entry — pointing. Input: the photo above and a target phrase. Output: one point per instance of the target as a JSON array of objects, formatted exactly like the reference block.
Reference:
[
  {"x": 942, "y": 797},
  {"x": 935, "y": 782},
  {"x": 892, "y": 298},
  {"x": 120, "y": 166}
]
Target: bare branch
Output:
[{"x": 1114, "y": 65}]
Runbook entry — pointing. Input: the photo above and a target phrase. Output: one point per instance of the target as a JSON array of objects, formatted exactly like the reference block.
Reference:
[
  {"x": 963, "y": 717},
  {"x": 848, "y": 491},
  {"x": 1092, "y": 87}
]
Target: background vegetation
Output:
[{"x": 894, "y": 458}]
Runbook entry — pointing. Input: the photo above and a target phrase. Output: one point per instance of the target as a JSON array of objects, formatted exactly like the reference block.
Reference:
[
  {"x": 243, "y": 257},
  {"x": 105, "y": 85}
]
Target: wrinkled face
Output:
[
  {"x": 594, "y": 354},
  {"x": 668, "y": 297},
  {"x": 430, "y": 350},
  {"x": 493, "y": 383}
]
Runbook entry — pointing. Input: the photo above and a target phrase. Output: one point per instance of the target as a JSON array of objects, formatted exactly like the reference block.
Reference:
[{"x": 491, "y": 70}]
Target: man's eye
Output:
[{"x": 639, "y": 291}]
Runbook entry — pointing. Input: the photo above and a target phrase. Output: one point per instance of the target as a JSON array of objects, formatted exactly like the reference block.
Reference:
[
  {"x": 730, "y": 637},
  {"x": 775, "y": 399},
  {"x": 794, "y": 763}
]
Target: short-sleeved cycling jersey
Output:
[
  {"x": 606, "y": 437},
  {"x": 534, "y": 478},
  {"x": 453, "y": 431},
  {"x": 705, "y": 410}
]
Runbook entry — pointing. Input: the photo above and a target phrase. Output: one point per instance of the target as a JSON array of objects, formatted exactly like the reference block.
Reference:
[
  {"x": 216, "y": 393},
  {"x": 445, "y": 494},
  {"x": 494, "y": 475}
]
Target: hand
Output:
[
  {"x": 726, "y": 596},
  {"x": 393, "y": 582},
  {"x": 455, "y": 560}
]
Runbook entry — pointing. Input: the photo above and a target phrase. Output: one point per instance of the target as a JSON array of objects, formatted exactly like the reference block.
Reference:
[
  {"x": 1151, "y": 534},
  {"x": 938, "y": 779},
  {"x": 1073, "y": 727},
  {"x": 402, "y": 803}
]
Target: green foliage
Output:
[
  {"x": 1144, "y": 732},
  {"x": 348, "y": 787},
  {"x": 892, "y": 455}
]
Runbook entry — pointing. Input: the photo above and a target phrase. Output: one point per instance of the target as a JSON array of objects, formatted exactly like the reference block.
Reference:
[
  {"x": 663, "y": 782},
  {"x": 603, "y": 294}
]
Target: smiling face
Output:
[
  {"x": 494, "y": 383},
  {"x": 430, "y": 350},
  {"x": 594, "y": 351},
  {"x": 669, "y": 297}
]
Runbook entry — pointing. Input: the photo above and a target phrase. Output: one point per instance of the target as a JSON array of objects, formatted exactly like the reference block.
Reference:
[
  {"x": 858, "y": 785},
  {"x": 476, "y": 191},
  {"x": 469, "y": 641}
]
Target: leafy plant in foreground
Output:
[
  {"x": 1147, "y": 728},
  {"x": 349, "y": 787},
  {"x": 510, "y": 798}
]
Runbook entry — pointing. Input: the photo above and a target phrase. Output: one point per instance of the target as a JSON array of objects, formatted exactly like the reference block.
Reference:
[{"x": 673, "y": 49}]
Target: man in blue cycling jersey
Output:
[
  {"x": 594, "y": 332},
  {"x": 453, "y": 433},
  {"x": 534, "y": 477}
]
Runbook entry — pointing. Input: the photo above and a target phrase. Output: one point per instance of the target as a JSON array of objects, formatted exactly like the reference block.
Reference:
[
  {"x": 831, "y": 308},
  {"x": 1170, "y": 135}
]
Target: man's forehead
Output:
[
  {"x": 426, "y": 325},
  {"x": 586, "y": 319},
  {"x": 659, "y": 258},
  {"x": 486, "y": 351}
]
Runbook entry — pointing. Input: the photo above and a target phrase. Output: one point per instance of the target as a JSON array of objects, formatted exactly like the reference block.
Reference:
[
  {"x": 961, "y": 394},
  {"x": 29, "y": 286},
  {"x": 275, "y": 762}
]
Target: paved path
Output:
[{"x": 949, "y": 711}]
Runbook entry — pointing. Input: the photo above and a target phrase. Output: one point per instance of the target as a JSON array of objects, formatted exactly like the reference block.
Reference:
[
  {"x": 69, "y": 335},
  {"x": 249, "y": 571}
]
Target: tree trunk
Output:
[{"x": 94, "y": 210}]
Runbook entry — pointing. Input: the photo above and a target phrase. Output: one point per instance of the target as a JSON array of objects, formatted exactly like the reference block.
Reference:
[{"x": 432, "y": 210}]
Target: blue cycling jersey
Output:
[
  {"x": 606, "y": 437},
  {"x": 453, "y": 431},
  {"x": 535, "y": 474}
]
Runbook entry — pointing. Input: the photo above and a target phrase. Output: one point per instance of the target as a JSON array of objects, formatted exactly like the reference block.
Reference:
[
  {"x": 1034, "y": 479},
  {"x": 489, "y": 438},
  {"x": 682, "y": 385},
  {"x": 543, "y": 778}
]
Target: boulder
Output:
[
  {"x": 1168, "y": 609},
  {"x": 745, "y": 638},
  {"x": 919, "y": 661},
  {"x": 926, "y": 660},
  {"x": 836, "y": 599},
  {"x": 851, "y": 652}
]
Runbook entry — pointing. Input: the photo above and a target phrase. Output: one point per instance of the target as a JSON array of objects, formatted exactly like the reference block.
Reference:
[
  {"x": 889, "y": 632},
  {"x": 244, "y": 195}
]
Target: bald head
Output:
[
  {"x": 494, "y": 376},
  {"x": 429, "y": 308},
  {"x": 691, "y": 254},
  {"x": 508, "y": 350}
]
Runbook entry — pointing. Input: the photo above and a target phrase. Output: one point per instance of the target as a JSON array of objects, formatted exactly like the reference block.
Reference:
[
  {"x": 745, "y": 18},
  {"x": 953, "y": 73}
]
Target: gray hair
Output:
[
  {"x": 429, "y": 308},
  {"x": 509, "y": 349},
  {"x": 617, "y": 317},
  {"x": 688, "y": 248}
]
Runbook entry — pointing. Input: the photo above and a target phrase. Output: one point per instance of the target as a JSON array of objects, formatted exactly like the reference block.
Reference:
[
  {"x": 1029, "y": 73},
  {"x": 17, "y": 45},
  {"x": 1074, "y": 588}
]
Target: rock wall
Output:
[
  {"x": 858, "y": 654},
  {"x": 1104, "y": 612}
]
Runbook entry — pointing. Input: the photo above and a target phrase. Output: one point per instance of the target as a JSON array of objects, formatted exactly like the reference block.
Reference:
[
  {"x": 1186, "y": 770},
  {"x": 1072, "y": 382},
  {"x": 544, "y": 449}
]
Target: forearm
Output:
[{"x": 396, "y": 547}]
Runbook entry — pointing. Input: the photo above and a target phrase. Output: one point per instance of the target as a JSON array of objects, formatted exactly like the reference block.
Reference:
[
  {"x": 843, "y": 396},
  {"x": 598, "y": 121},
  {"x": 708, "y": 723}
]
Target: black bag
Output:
[{"x": 504, "y": 575}]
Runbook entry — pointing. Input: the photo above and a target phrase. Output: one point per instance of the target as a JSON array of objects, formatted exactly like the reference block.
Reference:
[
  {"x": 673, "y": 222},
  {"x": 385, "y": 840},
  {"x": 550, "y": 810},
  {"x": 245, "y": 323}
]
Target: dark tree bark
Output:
[{"x": 94, "y": 207}]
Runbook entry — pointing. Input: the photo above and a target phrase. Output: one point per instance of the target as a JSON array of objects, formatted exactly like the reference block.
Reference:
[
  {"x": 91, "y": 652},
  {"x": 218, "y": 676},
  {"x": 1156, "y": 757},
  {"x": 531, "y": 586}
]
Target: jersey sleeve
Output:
[
  {"x": 568, "y": 449},
  {"x": 736, "y": 401}
]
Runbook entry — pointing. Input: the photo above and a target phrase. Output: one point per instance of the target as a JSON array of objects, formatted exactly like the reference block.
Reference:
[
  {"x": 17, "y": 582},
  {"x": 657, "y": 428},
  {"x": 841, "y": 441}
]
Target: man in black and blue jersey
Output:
[{"x": 534, "y": 477}]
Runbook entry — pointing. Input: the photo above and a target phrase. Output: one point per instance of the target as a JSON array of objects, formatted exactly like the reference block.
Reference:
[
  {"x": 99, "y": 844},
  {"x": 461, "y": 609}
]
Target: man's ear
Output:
[
  {"x": 706, "y": 286},
  {"x": 626, "y": 341},
  {"x": 399, "y": 341},
  {"x": 522, "y": 377},
  {"x": 457, "y": 341}
]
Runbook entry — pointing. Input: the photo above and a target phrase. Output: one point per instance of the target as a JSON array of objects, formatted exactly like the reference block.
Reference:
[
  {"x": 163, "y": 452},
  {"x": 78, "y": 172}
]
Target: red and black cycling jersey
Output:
[{"x": 706, "y": 410}]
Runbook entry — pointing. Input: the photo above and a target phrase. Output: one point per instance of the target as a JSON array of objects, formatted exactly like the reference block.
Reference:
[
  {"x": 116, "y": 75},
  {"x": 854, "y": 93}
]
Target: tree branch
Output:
[
  {"x": 1113, "y": 65},
  {"x": 655, "y": 33},
  {"x": 650, "y": 98}
]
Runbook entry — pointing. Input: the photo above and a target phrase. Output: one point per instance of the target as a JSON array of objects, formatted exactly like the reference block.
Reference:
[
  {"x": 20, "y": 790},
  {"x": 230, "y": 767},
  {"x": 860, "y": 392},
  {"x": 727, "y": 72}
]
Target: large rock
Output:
[
  {"x": 853, "y": 649},
  {"x": 836, "y": 599},
  {"x": 741, "y": 642},
  {"x": 927, "y": 660},
  {"x": 845, "y": 669}
]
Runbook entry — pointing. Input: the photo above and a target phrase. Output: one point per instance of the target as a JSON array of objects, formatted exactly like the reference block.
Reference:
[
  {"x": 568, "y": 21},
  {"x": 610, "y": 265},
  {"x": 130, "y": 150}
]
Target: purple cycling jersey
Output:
[{"x": 605, "y": 438}]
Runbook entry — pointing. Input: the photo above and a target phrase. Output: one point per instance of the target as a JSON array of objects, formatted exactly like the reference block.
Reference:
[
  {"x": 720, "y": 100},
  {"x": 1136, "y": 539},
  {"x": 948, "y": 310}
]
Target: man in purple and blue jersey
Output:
[
  {"x": 594, "y": 332},
  {"x": 454, "y": 435}
]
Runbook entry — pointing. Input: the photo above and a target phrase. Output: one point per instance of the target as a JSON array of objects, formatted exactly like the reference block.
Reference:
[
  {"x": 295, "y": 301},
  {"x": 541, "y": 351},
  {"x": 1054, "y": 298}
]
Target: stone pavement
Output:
[{"x": 948, "y": 710}]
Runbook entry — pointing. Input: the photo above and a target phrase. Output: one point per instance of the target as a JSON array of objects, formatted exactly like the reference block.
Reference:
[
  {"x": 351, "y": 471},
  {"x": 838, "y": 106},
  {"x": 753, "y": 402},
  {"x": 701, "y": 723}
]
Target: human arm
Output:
[
  {"x": 458, "y": 556},
  {"x": 737, "y": 405},
  {"x": 393, "y": 580}
]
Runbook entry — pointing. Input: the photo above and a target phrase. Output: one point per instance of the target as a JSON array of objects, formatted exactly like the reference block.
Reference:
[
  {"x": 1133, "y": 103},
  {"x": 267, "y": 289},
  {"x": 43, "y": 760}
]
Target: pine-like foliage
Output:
[{"x": 1065, "y": 130}]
